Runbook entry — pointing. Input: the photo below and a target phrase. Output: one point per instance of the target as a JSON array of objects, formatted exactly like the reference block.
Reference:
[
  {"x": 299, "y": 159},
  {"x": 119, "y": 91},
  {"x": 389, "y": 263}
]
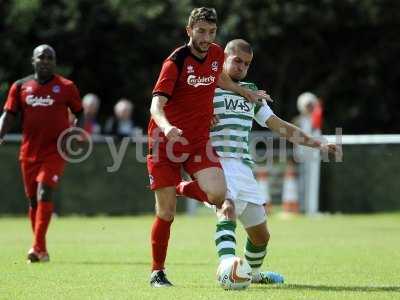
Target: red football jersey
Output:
[
  {"x": 44, "y": 110},
  {"x": 189, "y": 84}
]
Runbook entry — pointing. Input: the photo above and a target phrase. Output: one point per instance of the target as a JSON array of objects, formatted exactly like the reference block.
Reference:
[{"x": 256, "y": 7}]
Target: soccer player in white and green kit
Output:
[{"x": 230, "y": 139}]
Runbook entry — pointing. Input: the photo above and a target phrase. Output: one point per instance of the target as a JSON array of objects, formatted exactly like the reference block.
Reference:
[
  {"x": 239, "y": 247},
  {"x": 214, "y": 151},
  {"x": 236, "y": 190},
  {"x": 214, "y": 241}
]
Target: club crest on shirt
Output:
[
  {"x": 39, "y": 101},
  {"x": 29, "y": 89},
  {"x": 214, "y": 66},
  {"x": 56, "y": 89},
  {"x": 190, "y": 69},
  {"x": 196, "y": 81}
]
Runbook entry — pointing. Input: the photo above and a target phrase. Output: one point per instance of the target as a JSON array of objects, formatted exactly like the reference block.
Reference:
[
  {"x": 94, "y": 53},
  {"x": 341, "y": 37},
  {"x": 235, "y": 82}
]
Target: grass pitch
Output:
[{"x": 324, "y": 257}]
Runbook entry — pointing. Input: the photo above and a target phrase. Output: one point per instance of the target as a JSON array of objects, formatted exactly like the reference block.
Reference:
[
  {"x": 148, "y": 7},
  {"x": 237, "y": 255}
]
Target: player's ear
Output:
[{"x": 189, "y": 31}]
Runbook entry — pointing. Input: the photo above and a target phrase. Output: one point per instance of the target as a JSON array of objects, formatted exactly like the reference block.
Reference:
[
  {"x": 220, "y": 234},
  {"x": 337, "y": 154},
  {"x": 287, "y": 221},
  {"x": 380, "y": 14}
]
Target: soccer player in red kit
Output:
[
  {"x": 181, "y": 114},
  {"x": 43, "y": 99}
]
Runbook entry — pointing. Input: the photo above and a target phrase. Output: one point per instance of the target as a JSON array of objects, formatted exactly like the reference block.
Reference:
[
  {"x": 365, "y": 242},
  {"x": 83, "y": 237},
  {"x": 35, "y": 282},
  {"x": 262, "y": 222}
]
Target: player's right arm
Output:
[
  {"x": 162, "y": 92},
  {"x": 158, "y": 114},
  {"x": 11, "y": 109},
  {"x": 6, "y": 122}
]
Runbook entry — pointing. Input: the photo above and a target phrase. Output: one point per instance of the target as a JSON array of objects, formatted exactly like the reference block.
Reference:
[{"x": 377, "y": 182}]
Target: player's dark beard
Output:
[{"x": 197, "y": 47}]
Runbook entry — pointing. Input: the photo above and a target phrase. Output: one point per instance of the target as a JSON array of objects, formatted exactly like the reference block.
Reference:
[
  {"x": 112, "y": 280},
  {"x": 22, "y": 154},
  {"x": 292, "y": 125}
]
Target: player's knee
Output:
[
  {"x": 166, "y": 213},
  {"x": 216, "y": 196}
]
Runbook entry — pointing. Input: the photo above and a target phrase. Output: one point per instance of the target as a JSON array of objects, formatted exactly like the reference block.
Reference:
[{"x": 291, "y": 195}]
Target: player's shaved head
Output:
[
  {"x": 238, "y": 57},
  {"x": 238, "y": 45},
  {"x": 43, "y": 49},
  {"x": 44, "y": 62}
]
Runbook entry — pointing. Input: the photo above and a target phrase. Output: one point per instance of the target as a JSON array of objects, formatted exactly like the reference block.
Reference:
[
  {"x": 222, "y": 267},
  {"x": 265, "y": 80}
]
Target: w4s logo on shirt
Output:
[{"x": 238, "y": 104}]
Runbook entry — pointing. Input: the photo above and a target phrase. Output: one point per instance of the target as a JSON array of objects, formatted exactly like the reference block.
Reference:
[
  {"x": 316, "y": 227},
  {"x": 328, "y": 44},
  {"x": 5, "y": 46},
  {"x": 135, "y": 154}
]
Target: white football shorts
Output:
[{"x": 243, "y": 190}]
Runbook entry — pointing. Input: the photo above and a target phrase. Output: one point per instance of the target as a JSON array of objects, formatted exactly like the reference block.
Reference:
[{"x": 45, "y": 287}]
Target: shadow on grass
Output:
[
  {"x": 333, "y": 288},
  {"x": 124, "y": 263}
]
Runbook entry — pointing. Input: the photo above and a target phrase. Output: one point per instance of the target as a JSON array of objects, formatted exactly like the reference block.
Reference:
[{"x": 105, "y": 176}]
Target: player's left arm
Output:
[
  {"x": 226, "y": 83},
  {"x": 75, "y": 105},
  {"x": 297, "y": 136}
]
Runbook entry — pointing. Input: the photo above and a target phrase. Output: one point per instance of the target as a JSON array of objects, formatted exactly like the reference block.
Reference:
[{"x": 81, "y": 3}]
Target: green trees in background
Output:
[{"x": 345, "y": 51}]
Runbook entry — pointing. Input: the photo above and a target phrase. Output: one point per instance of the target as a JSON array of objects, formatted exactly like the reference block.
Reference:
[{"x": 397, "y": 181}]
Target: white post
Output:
[
  {"x": 312, "y": 183},
  {"x": 313, "y": 179}
]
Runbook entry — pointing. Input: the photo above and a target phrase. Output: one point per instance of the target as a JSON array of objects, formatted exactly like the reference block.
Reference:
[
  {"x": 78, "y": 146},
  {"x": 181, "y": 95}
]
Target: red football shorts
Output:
[
  {"x": 48, "y": 172},
  {"x": 165, "y": 169}
]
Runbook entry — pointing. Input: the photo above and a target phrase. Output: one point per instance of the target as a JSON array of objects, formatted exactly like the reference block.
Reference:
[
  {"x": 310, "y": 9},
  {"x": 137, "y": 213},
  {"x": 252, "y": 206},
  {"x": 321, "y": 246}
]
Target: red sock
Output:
[
  {"x": 191, "y": 189},
  {"x": 32, "y": 217},
  {"x": 159, "y": 242},
  {"x": 43, "y": 216}
]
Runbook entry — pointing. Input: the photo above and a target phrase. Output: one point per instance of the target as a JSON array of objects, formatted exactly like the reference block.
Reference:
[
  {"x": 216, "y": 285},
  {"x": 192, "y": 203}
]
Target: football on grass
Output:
[{"x": 234, "y": 273}]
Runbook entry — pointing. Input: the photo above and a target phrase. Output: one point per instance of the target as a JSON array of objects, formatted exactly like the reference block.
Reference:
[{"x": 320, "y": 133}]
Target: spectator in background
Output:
[
  {"x": 305, "y": 104},
  {"x": 317, "y": 116},
  {"x": 306, "y": 120},
  {"x": 91, "y": 104},
  {"x": 121, "y": 124}
]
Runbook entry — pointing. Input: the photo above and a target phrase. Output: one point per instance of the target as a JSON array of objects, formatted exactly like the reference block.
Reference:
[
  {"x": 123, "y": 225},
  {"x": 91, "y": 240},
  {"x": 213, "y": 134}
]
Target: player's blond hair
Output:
[{"x": 207, "y": 14}]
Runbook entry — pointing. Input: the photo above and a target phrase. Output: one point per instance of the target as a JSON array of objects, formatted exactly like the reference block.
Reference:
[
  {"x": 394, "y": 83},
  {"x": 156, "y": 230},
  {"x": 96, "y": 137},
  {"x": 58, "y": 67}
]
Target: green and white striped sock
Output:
[
  {"x": 255, "y": 256},
  {"x": 225, "y": 239}
]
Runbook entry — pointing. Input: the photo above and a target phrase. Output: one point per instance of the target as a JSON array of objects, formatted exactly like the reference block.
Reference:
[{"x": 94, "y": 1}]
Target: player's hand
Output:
[
  {"x": 173, "y": 133},
  {"x": 214, "y": 121},
  {"x": 332, "y": 149},
  {"x": 263, "y": 95},
  {"x": 256, "y": 96}
]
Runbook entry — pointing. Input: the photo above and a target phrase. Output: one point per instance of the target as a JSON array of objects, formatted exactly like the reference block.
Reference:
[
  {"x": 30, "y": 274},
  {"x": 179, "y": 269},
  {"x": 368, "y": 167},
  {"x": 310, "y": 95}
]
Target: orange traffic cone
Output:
[
  {"x": 290, "y": 193},
  {"x": 261, "y": 174}
]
